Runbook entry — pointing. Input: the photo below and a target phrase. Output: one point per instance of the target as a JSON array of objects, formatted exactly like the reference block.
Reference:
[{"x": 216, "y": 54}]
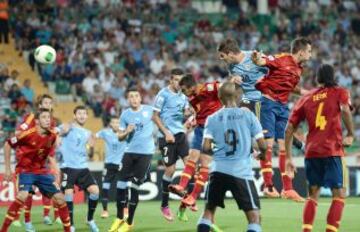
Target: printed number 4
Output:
[{"x": 320, "y": 119}]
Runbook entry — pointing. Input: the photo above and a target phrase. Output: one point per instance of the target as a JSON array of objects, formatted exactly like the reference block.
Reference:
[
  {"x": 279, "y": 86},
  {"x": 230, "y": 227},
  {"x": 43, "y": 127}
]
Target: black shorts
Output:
[
  {"x": 171, "y": 152},
  {"x": 135, "y": 168},
  {"x": 243, "y": 191},
  {"x": 254, "y": 106},
  {"x": 110, "y": 173},
  {"x": 79, "y": 177}
]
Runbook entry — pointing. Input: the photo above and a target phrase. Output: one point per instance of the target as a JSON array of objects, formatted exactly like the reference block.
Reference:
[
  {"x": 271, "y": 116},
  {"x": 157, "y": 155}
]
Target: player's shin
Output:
[
  {"x": 309, "y": 215},
  {"x": 11, "y": 214},
  {"x": 27, "y": 207},
  {"x": 200, "y": 182},
  {"x": 286, "y": 180},
  {"x": 166, "y": 181},
  {"x": 334, "y": 214},
  {"x": 47, "y": 205},
  {"x": 105, "y": 195},
  {"x": 121, "y": 201},
  {"x": 70, "y": 205},
  {"x": 64, "y": 215},
  {"x": 188, "y": 172},
  {"x": 266, "y": 167},
  {"x": 134, "y": 199},
  {"x": 92, "y": 203}
]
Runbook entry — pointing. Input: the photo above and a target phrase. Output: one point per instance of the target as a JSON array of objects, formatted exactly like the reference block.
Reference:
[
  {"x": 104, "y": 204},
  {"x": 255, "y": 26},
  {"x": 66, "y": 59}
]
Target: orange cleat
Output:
[
  {"x": 177, "y": 189},
  {"x": 189, "y": 201},
  {"x": 271, "y": 192},
  {"x": 292, "y": 195}
]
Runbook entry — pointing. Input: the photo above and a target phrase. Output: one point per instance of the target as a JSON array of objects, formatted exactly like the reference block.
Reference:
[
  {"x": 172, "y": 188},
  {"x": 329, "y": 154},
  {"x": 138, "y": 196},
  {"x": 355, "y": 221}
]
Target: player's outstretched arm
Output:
[
  {"x": 261, "y": 142},
  {"x": 91, "y": 144},
  {"x": 7, "y": 153},
  {"x": 348, "y": 122},
  {"x": 289, "y": 135},
  {"x": 54, "y": 168},
  {"x": 257, "y": 58},
  {"x": 124, "y": 133}
]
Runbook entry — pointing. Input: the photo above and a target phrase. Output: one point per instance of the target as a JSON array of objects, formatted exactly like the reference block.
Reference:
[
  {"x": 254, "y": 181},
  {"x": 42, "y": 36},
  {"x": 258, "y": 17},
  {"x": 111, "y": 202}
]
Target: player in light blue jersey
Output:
[
  {"x": 230, "y": 131},
  {"x": 74, "y": 164},
  {"x": 171, "y": 107},
  {"x": 114, "y": 151},
  {"x": 136, "y": 128}
]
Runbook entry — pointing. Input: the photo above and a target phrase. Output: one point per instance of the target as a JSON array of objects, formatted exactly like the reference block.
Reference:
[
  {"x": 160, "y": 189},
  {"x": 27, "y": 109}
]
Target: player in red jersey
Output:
[
  {"x": 322, "y": 109},
  {"x": 282, "y": 80},
  {"x": 34, "y": 147}
]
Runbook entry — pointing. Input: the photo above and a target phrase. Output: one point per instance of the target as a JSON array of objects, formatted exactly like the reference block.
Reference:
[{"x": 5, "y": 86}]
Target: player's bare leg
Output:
[
  {"x": 309, "y": 211},
  {"x": 253, "y": 217},
  {"x": 288, "y": 191},
  {"x": 93, "y": 191},
  {"x": 187, "y": 174},
  {"x": 267, "y": 172}
]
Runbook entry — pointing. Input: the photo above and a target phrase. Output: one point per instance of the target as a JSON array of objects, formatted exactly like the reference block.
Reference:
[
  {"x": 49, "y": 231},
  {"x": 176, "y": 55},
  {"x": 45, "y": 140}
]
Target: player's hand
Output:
[
  {"x": 65, "y": 128},
  {"x": 236, "y": 79},
  {"x": 348, "y": 141},
  {"x": 169, "y": 138},
  {"x": 258, "y": 155},
  {"x": 290, "y": 168},
  {"x": 8, "y": 175},
  {"x": 130, "y": 128}
]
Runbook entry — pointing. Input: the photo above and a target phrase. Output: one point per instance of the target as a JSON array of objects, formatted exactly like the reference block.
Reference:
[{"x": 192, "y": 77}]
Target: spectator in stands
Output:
[
  {"x": 14, "y": 92},
  {"x": 11, "y": 80},
  {"x": 89, "y": 82},
  {"x": 28, "y": 92}
]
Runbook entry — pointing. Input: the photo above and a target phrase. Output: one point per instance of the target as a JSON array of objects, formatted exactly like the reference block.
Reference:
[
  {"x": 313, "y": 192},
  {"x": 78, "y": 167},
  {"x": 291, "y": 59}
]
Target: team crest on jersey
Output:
[
  {"x": 24, "y": 126},
  {"x": 145, "y": 114},
  {"x": 210, "y": 87},
  {"x": 13, "y": 140}
]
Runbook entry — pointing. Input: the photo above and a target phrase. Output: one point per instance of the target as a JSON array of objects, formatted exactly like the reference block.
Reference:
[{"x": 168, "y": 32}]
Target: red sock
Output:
[
  {"x": 266, "y": 168},
  {"x": 47, "y": 205},
  {"x": 64, "y": 216},
  {"x": 56, "y": 211},
  {"x": 286, "y": 180},
  {"x": 11, "y": 214},
  {"x": 188, "y": 172},
  {"x": 27, "y": 207},
  {"x": 18, "y": 213},
  {"x": 200, "y": 182},
  {"x": 309, "y": 215},
  {"x": 334, "y": 214}
]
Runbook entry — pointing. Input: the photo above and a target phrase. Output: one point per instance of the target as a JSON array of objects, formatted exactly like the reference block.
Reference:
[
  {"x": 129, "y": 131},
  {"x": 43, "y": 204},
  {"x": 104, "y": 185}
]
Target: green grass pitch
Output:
[{"x": 277, "y": 216}]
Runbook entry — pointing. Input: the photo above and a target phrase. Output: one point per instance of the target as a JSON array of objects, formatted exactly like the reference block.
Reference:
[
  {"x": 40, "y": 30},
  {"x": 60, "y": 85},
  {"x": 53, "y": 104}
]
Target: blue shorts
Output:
[
  {"x": 273, "y": 118},
  {"x": 196, "y": 142},
  {"x": 45, "y": 183},
  {"x": 327, "y": 172}
]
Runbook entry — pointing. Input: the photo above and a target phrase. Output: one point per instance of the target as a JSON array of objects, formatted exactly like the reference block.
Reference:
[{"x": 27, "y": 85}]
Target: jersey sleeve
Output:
[
  {"x": 25, "y": 123},
  {"x": 344, "y": 98},
  {"x": 272, "y": 61},
  {"x": 20, "y": 138},
  {"x": 100, "y": 134},
  {"x": 159, "y": 102},
  {"x": 297, "y": 114},
  {"x": 123, "y": 123},
  {"x": 208, "y": 129},
  {"x": 255, "y": 127}
]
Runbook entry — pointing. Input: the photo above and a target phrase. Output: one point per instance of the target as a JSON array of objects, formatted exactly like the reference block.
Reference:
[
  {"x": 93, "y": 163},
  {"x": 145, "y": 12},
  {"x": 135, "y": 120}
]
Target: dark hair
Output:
[
  {"x": 40, "y": 111},
  {"x": 325, "y": 75},
  {"x": 188, "y": 80},
  {"x": 177, "y": 71},
  {"x": 80, "y": 107},
  {"x": 298, "y": 44},
  {"x": 131, "y": 89},
  {"x": 41, "y": 98},
  {"x": 229, "y": 45}
]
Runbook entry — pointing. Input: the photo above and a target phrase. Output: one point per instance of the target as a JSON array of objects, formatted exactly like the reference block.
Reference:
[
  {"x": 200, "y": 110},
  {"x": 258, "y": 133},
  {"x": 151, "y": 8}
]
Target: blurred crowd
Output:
[{"x": 105, "y": 46}]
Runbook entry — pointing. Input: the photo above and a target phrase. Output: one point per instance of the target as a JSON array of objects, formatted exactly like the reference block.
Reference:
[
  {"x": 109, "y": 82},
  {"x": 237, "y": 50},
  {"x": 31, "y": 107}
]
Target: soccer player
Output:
[
  {"x": 35, "y": 147},
  {"x": 114, "y": 151},
  {"x": 282, "y": 80},
  {"x": 74, "y": 166},
  {"x": 231, "y": 130},
  {"x": 136, "y": 127},
  {"x": 170, "y": 108},
  {"x": 322, "y": 109}
]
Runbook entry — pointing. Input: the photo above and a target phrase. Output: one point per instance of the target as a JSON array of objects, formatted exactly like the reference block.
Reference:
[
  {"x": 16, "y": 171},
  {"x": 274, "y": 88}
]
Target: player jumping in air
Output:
[
  {"x": 74, "y": 165},
  {"x": 34, "y": 147},
  {"x": 282, "y": 80},
  {"x": 322, "y": 109},
  {"x": 231, "y": 130}
]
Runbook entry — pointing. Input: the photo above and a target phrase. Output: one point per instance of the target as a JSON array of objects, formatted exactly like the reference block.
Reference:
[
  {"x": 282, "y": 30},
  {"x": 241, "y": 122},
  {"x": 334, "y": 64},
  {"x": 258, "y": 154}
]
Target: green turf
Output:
[{"x": 277, "y": 216}]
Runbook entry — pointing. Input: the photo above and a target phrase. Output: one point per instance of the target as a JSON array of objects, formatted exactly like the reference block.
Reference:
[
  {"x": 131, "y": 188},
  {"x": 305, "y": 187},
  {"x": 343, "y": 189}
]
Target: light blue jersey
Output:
[
  {"x": 114, "y": 149},
  {"x": 232, "y": 130},
  {"x": 250, "y": 73},
  {"x": 73, "y": 147},
  {"x": 171, "y": 106},
  {"x": 141, "y": 140}
]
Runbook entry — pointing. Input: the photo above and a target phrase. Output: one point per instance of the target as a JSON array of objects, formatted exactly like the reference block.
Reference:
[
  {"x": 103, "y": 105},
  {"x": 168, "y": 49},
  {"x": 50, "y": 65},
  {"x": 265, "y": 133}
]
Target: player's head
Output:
[
  {"x": 134, "y": 98},
  {"x": 114, "y": 122},
  {"x": 188, "y": 85},
  {"x": 45, "y": 101},
  {"x": 176, "y": 75},
  {"x": 325, "y": 76},
  {"x": 80, "y": 114},
  {"x": 228, "y": 93},
  {"x": 301, "y": 47},
  {"x": 43, "y": 118},
  {"x": 228, "y": 50}
]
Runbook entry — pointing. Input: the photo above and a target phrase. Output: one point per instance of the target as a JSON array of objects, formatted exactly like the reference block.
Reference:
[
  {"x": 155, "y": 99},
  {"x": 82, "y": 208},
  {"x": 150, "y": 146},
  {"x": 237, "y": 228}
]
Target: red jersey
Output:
[
  {"x": 32, "y": 150},
  {"x": 282, "y": 78},
  {"x": 206, "y": 101},
  {"x": 321, "y": 109},
  {"x": 29, "y": 122}
]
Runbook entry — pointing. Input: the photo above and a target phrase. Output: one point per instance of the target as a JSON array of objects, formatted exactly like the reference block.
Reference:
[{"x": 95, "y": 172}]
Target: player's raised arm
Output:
[{"x": 258, "y": 58}]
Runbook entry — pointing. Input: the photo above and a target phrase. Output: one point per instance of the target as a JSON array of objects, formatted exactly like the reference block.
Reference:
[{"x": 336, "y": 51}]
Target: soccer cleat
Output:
[
  {"x": 177, "y": 189},
  {"x": 126, "y": 227},
  {"x": 116, "y": 225},
  {"x": 29, "y": 227},
  {"x": 194, "y": 208},
  {"x": 166, "y": 212},
  {"x": 181, "y": 215},
  {"x": 93, "y": 226},
  {"x": 105, "y": 214},
  {"x": 58, "y": 221},
  {"x": 126, "y": 212},
  {"x": 16, "y": 223},
  {"x": 215, "y": 228},
  {"x": 189, "y": 200},
  {"x": 47, "y": 221},
  {"x": 271, "y": 192},
  {"x": 292, "y": 195},
  {"x": 72, "y": 229}
]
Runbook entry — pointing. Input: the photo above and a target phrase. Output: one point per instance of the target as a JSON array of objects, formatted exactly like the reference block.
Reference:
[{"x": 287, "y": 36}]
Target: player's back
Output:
[
  {"x": 321, "y": 109},
  {"x": 114, "y": 149},
  {"x": 232, "y": 130}
]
